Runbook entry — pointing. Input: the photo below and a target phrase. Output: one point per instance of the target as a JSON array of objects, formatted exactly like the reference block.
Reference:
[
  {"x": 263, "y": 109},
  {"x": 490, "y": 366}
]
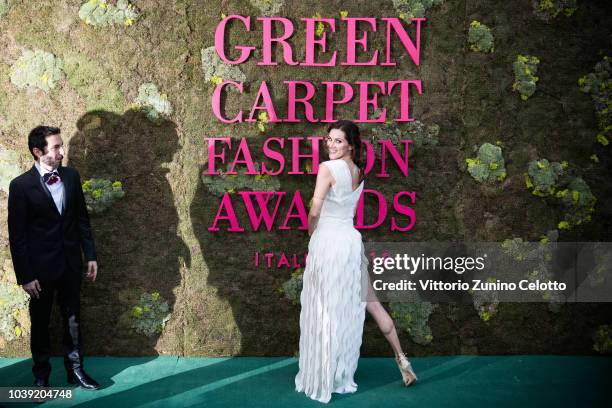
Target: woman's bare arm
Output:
[{"x": 324, "y": 182}]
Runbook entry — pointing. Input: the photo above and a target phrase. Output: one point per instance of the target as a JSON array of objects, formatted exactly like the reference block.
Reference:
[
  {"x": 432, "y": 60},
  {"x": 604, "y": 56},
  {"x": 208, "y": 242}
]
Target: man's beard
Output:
[{"x": 54, "y": 164}]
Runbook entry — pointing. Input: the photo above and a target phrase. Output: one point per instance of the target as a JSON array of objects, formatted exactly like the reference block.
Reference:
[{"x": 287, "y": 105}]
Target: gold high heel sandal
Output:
[{"x": 405, "y": 368}]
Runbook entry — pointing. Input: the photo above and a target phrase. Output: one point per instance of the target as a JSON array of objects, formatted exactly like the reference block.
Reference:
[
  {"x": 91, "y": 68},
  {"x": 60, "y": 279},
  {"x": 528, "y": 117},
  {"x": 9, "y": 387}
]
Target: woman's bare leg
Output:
[
  {"x": 385, "y": 324},
  {"x": 387, "y": 327},
  {"x": 384, "y": 321}
]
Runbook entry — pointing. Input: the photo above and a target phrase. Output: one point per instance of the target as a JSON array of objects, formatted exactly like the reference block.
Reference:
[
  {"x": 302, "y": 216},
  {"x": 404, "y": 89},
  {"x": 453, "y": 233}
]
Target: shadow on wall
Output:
[
  {"x": 138, "y": 247},
  {"x": 268, "y": 322}
]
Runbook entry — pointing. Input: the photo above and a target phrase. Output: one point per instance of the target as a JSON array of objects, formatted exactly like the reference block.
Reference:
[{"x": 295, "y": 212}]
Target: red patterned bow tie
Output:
[{"x": 51, "y": 178}]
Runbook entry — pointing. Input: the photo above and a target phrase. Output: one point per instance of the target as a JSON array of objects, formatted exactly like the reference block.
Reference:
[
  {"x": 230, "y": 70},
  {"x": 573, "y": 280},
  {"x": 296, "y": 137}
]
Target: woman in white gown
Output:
[{"x": 333, "y": 309}]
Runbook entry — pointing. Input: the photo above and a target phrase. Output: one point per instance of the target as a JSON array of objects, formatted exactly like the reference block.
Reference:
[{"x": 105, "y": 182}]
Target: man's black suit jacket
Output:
[{"x": 45, "y": 243}]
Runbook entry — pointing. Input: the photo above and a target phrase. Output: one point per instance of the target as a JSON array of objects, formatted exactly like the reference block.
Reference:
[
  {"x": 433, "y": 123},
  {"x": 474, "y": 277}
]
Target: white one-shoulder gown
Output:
[{"x": 332, "y": 315}]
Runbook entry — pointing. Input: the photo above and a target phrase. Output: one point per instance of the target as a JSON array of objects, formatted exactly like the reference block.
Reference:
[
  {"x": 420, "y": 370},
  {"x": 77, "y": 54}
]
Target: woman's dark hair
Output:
[
  {"x": 38, "y": 138},
  {"x": 351, "y": 133}
]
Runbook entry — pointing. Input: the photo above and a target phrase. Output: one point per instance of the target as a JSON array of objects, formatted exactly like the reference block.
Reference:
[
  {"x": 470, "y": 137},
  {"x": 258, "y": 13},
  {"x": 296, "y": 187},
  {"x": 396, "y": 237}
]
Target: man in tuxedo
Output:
[{"x": 48, "y": 227}]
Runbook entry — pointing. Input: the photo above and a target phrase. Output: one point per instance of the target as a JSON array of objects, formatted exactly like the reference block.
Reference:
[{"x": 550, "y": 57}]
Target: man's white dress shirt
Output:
[{"x": 56, "y": 189}]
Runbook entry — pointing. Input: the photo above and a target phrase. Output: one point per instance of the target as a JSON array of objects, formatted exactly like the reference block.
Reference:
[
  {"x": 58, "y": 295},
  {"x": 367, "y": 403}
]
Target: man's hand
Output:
[
  {"x": 33, "y": 288},
  {"x": 92, "y": 270}
]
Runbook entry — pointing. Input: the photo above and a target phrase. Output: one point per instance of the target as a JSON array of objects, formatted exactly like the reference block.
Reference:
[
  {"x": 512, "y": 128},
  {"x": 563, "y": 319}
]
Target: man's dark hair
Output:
[{"x": 38, "y": 138}]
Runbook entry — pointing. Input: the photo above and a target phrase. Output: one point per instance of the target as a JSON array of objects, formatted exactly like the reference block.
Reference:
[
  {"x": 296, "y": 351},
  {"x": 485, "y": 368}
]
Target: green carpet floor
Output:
[{"x": 455, "y": 381}]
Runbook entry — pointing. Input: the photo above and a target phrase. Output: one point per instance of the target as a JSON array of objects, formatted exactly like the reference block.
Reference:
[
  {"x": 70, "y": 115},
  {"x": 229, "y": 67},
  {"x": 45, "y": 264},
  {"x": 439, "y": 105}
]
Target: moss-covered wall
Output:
[{"x": 131, "y": 89}]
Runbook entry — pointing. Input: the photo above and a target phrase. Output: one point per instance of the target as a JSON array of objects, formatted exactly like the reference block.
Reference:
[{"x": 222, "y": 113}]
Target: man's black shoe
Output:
[
  {"x": 78, "y": 376},
  {"x": 41, "y": 382}
]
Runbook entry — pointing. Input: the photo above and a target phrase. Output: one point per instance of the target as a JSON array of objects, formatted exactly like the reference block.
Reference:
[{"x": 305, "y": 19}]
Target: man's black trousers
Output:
[{"x": 67, "y": 288}]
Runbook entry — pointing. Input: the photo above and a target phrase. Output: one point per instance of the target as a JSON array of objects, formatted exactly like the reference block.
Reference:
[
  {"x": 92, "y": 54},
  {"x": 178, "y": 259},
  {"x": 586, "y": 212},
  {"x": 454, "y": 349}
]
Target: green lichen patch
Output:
[
  {"x": 578, "y": 202},
  {"x": 543, "y": 273},
  {"x": 9, "y": 167},
  {"x": 100, "y": 194},
  {"x": 37, "y": 68},
  {"x": 525, "y": 67},
  {"x": 538, "y": 258},
  {"x": 102, "y": 13},
  {"x": 542, "y": 176},
  {"x": 488, "y": 165},
  {"x": 548, "y": 9},
  {"x": 150, "y": 315},
  {"x": 93, "y": 84},
  {"x": 551, "y": 180},
  {"x": 268, "y": 7},
  {"x": 599, "y": 85},
  {"x": 413, "y": 316},
  {"x": 603, "y": 259},
  {"x": 262, "y": 119},
  {"x": 480, "y": 38},
  {"x": 486, "y": 302},
  {"x": 232, "y": 183},
  {"x": 292, "y": 288},
  {"x": 422, "y": 135},
  {"x": 13, "y": 309},
  {"x": 216, "y": 71},
  {"x": 14, "y": 318},
  {"x": 408, "y": 9},
  {"x": 4, "y": 7},
  {"x": 517, "y": 249},
  {"x": 155, "y": 104},
  {"x": 603, "y": 339}
]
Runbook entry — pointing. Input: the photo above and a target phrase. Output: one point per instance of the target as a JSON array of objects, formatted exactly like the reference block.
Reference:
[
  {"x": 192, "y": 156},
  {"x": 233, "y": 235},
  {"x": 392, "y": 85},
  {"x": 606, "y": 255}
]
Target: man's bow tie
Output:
[{"x": 51, "y": 178}]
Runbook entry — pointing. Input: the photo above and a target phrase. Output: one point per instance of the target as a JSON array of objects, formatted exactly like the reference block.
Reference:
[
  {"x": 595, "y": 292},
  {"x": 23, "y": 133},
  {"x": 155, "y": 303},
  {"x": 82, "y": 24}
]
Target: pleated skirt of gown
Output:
[{"x": 332, "y": 315}]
